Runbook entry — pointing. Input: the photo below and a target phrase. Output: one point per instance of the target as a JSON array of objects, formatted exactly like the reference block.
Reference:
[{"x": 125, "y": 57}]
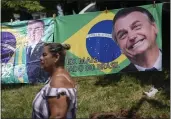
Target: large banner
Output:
[
  {"x": 99, "y": 46},
  {"x": 21, "y": 48}
]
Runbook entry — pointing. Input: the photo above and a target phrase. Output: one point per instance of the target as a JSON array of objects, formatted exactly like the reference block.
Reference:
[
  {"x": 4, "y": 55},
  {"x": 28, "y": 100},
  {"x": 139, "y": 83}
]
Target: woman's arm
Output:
[{"x": 58, "y": 107}]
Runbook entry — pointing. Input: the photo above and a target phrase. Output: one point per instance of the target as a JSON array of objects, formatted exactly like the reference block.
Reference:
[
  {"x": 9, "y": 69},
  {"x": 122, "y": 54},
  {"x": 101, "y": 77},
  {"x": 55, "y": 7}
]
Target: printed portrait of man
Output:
[
  {"x": 135, "y": 31},
  {"x": 35, "y": 32}
]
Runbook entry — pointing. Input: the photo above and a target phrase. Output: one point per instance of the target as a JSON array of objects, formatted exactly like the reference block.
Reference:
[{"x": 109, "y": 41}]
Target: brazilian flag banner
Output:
[
  {"x": 15, "y": 39},
  {"x": 93, "y": 51}
]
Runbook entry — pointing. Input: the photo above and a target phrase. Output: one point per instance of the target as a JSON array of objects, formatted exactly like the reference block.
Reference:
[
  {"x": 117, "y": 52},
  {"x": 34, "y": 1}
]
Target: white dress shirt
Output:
[{"x": 157, "y": 64}]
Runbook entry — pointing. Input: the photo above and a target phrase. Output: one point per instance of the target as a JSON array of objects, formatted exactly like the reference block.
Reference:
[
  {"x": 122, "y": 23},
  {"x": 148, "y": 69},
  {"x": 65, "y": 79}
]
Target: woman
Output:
[{"x": 57, "y": 99}]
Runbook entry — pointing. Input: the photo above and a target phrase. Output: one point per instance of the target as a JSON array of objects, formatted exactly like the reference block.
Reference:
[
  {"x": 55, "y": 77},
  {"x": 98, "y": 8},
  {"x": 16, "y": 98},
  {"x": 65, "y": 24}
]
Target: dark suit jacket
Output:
[
  {"x": 34, "y": 71},
  {"x": 130, "y": 68}
]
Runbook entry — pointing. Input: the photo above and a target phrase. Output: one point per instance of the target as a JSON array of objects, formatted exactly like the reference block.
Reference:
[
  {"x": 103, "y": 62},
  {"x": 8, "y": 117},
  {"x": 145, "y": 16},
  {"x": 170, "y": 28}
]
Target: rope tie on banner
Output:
[
  {"x": 106, "y": 11},
  {"x": 54, "y": 15},
  {"x": 154, "y": 3}
]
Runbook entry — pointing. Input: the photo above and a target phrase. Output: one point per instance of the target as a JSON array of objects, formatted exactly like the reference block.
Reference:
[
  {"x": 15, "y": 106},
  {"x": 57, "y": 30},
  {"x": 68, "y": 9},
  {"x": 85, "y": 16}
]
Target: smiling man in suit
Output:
[
  {"x": 135, "y": 31},
  {"x": 35, "y": 31}
]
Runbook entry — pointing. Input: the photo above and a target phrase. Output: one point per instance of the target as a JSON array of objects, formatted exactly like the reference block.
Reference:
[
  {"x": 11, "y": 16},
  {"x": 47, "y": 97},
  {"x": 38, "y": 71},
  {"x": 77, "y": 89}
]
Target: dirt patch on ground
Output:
[{"x": 123, "y": 114}]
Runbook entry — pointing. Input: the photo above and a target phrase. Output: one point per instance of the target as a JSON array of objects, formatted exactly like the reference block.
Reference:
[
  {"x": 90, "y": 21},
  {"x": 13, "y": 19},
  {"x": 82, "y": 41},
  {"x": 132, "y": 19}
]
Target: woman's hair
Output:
[{"x": 58, "y": 48}]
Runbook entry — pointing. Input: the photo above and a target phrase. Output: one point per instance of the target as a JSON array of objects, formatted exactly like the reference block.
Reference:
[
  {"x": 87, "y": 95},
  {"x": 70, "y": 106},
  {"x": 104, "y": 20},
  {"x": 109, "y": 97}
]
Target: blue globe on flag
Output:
[{"x": 99, "y": 42}]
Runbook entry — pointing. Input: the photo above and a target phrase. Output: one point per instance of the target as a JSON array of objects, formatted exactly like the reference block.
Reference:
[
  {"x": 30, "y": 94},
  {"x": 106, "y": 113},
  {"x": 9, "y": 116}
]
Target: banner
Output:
[
  {"x": 19, "y": 63},
  {"x": 99, "y": 46},
  {"x": 94, "y": 51}
]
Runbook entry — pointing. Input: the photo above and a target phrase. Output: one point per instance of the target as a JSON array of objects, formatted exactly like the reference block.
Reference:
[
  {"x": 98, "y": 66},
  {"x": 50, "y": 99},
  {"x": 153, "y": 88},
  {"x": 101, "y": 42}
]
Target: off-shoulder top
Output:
[{"x": 40, "y": 102}]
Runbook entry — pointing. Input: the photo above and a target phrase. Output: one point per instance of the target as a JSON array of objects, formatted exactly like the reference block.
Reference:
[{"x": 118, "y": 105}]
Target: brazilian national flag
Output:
[{"x": 93, "y": 51}]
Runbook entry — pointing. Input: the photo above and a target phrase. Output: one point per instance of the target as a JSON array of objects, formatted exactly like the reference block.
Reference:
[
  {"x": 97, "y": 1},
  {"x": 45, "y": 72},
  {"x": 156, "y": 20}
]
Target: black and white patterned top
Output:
[{"x": 40, "y": 102}]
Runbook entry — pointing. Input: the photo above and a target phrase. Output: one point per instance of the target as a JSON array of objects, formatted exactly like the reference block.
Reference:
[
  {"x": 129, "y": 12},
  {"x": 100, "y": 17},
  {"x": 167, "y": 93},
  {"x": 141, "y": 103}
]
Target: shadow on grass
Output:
[
  {"x": 15, "y": 85},
  {"x": 132, "y": 113},
  {"x": 108, "y": 79},
  {"x": 160, "y": 80},
  {"x": 155, "y": 103}
]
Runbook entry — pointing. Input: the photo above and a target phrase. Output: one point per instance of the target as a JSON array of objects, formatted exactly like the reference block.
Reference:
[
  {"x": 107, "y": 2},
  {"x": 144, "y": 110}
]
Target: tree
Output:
[{"x": 30, "y": 5}]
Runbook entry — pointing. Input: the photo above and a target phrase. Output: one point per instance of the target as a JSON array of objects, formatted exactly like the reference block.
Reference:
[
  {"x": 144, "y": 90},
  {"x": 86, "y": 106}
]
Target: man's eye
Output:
[
  {"x": 137, "y": 27},
  {"x": 122, "y": 35},
  {"x": 38, "y": 28}
]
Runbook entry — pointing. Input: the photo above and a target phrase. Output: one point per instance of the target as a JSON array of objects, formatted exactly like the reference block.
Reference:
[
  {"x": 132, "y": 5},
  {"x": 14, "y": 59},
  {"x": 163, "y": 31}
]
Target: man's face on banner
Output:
[
  {"x": 135, "y": 34},
  {"x": 34, "y": 32}
]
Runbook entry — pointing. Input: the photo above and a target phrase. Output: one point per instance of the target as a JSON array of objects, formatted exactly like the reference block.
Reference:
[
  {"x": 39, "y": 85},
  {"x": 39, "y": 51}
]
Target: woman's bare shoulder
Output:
[{"x": 62, "y": 81}]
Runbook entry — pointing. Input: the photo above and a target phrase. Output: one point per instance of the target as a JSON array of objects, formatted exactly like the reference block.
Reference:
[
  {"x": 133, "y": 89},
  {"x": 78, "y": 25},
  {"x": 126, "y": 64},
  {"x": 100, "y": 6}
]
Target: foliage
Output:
[{"x": 30, "y": 5}]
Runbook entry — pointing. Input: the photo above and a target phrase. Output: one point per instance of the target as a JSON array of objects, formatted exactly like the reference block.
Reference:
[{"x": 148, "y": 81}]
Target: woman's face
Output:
[{"x": 47, "y": 60}]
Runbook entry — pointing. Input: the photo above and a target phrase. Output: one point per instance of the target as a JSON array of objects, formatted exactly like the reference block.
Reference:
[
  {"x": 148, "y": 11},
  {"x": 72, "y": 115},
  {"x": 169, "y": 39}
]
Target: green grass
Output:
[{"x": 110, "y": 93}]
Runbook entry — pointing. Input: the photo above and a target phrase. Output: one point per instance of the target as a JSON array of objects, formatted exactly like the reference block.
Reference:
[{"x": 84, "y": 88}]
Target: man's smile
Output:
[{"x": 136, "y": 44}]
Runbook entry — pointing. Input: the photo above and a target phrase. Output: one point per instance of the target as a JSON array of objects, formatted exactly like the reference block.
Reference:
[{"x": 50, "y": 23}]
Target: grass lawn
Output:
[{"x": 109, "y": 93}]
